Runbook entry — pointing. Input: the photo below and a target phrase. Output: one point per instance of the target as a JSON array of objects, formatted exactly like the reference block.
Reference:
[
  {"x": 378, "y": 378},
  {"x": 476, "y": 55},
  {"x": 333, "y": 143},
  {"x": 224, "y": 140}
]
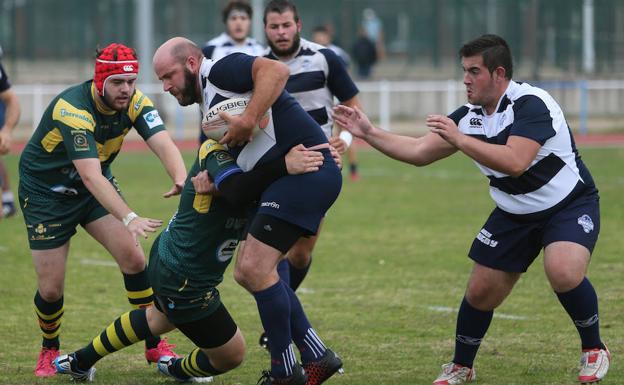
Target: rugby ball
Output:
[{"x": 215, "y": 128}]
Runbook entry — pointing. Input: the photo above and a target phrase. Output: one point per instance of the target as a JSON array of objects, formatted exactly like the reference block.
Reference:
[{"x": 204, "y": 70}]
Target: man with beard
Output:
[
  {"x": 65, "y": 180},
  {"x": 288, "y": 209},
  {"x": 317, "y": 76},
  {"x": 236, "y": 16}
]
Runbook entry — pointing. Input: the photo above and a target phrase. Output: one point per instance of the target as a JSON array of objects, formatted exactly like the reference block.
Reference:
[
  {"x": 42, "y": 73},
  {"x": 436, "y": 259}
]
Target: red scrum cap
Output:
[{"x": 114, "y": 60}]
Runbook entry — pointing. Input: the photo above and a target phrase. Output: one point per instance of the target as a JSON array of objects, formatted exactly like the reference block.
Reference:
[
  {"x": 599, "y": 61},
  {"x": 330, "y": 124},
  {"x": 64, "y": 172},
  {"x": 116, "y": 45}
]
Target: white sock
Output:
[{"x": 7, "y": 197}]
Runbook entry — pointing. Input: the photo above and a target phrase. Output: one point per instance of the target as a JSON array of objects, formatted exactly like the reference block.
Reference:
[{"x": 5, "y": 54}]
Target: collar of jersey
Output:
[{"x": 101, "y": 107}]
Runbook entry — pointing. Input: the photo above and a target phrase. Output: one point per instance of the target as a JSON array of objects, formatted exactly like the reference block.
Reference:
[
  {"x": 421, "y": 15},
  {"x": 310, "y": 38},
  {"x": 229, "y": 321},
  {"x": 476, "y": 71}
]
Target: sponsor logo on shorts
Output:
[
  {"x": 586, "y": 223},
  {"x": 60, "y": 189},
  {"x": 486, "y": 238},
  {"x": 225, "y": 251},
  {"x": 273, "y": 205},
  {"x": 152, "y": 119}
]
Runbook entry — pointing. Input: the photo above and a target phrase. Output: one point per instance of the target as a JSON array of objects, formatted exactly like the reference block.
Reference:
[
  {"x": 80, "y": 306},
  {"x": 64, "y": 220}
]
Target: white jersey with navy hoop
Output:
[
  {"x": 224, "y": 45},
  {"x": 557, "y": 171},
  {"x": 288, "y": 126},
  {"x": 317, "y": 74}
]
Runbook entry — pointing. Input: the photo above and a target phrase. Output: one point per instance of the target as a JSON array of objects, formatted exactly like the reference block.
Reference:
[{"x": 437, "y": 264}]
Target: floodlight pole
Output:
[
  {"x": 144, "y": 37},
  {"x": 589, "y": 53},
  {"x": 257, "y": 25}
]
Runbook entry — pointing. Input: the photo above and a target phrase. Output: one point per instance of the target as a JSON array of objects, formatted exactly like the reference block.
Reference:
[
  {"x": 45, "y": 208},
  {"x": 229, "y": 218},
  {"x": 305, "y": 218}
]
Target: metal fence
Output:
[{"x": 592, "y": 105}]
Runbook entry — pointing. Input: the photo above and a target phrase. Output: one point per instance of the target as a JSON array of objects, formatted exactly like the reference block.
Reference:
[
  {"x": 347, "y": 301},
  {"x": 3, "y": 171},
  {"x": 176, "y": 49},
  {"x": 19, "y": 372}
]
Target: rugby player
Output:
[
  {"x": 66, "y": 181},
  {"x": 545, "y": 199},
  {"x": 9, "y": 116},
  {"x": 288, "y": 209},
  {"x": 187, "y": 262}
]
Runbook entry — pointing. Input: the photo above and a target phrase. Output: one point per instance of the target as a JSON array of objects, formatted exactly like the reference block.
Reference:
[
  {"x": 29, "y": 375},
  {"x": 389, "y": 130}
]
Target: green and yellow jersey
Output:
[
  {"x": 201, "y": 237},
  {"x": 77, "y": 126}
]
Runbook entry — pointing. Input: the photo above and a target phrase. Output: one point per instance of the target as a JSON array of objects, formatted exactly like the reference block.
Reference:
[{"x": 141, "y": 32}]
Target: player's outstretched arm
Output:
[
  {"x": 417, "y": 151},
  {"x": 102, "y": 189},
  {"x": 165, "y": 149}
]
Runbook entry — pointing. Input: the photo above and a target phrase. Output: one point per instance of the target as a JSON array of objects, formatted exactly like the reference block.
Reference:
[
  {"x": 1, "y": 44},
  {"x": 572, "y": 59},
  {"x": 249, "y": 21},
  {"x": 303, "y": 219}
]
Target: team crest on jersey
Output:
[
  {"x": 586, "y": 223},
  {"x": 80, "y": 140},
  {"x": 223, "y": 157}
]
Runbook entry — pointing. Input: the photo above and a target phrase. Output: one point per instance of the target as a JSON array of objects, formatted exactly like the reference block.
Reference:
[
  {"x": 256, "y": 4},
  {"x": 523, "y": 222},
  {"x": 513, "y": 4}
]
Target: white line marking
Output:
[
  {"x": 97, "y": 262},
  {"x": 444, "y": 309}
]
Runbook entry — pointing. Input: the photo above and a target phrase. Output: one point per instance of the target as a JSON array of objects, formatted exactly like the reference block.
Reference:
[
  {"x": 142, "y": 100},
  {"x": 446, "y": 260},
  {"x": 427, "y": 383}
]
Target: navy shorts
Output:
[
  {"x": 303, "y": 199},
  {"x": 509, "y": 244}
]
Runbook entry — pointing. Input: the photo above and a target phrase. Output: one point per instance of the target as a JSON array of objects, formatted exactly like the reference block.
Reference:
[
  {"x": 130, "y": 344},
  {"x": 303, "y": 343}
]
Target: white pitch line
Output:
[
  {"x": 444, "y": 309},
  {"x": 97, "y": 262}
]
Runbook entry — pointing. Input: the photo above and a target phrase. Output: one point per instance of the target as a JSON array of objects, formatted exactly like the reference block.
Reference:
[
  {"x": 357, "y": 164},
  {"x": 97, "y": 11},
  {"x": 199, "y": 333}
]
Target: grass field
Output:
[{"x": 388, "y": 272}]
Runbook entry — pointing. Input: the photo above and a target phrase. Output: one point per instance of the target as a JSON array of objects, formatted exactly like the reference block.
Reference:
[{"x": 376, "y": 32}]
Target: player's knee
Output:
[
  {"x": 233, "y": 360},
  {"x": 243, "y": 276},
  {"x": 51, "y": 293},
  {"x": 299, "y": 257},
  {"x": 482, "y": 296},
  {"x": 562, "y": 280},
  {"x": 132, "y": 263}
]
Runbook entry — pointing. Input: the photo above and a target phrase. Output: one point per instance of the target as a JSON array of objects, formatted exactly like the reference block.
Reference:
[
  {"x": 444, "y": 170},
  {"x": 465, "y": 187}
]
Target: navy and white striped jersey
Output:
[
  {"x": 317, "y": 74},
  {"x": 289, "y": 125},
  {"x": 555, "y": 176},
  {"x": 224, "y": 45}
]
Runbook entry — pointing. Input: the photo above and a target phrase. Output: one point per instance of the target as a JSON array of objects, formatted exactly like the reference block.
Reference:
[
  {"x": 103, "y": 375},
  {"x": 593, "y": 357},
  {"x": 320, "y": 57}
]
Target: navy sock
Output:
[
  {"x": 297, "y": 275},
  {"x": 308, "y": 342},
  {"x": 581, "y": 303},
  {"x": 471, "y": 327},
  {"x": 274, "y": 309},
  {"x": 283, "y": 270}
]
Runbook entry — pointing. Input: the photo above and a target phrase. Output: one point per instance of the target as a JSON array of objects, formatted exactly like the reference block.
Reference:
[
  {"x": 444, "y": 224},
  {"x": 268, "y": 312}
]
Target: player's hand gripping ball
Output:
[{"x": 215, "y": 127}]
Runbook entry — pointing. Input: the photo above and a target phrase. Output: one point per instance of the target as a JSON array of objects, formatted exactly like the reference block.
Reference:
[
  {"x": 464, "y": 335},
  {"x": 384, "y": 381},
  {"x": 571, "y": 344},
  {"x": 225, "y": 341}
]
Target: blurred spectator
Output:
[
  {"x": 373, "y": 27},
  {"x": 323, "y": 36},
  {"x": 364, "y": 54},
  {"x": 9, "y": 115}
]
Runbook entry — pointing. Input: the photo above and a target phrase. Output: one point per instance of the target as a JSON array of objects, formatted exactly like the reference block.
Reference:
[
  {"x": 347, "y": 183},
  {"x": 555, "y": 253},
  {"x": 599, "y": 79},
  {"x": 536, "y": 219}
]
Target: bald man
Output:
[{"x": 288, "y": 209}]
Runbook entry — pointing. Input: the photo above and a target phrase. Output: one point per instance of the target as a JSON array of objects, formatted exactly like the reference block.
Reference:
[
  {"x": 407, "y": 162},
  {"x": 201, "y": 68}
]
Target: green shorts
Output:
[
  {"x": 182, "y": 299},
  {"x": 51, "y": 219}
]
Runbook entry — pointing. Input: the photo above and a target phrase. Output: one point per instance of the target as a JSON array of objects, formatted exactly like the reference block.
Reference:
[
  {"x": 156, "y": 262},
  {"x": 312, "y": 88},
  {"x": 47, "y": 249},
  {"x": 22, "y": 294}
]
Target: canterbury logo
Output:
[
  {"x": 587, "y": 322},
  {"x": 468, "y": 340},
  {"x": 475, "y": 122},
  {"x": 128, "y": 68}
]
